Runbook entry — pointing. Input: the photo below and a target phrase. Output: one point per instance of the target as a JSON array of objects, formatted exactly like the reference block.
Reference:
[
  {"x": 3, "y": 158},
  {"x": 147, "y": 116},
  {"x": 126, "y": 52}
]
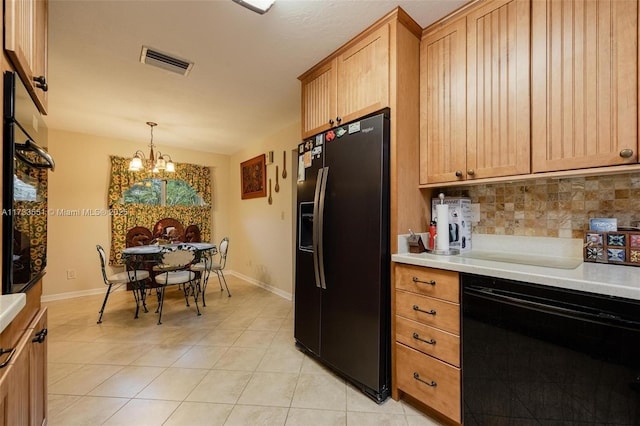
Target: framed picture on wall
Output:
[{"x": 253, "y": 178}]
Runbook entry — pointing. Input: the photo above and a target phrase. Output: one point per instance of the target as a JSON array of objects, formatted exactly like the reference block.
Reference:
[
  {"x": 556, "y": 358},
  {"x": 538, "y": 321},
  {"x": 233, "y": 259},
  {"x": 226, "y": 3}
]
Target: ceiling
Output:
[{"x": 242, "y": 87}]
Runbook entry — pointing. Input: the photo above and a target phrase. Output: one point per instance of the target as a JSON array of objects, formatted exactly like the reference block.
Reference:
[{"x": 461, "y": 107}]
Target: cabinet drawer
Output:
[
  {"x": 429, "y": 282},
  {"x": 431, "y": 341},
  {"x": 427, "y": 310},
  {"x": 431, "y": 381}
]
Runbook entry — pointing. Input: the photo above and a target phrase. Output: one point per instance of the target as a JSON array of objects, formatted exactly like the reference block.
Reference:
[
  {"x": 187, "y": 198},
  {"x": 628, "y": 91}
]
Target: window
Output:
[{"x": 158, "y": 192}]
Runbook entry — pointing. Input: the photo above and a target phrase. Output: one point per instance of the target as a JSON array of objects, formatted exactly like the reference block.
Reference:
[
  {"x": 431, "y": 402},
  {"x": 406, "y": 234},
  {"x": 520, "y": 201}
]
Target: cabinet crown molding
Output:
[{"x": 398, "y": 14}]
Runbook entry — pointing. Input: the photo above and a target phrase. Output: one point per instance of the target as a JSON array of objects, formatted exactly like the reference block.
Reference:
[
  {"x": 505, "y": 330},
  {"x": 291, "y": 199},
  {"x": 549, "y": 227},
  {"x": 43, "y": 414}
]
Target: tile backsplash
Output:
[{"x": 553, "y": 207}]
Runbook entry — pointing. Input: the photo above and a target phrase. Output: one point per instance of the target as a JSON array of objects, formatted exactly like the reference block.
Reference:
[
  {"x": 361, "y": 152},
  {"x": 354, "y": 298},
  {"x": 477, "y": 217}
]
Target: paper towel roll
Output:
[{"x": 442, "y": 227}]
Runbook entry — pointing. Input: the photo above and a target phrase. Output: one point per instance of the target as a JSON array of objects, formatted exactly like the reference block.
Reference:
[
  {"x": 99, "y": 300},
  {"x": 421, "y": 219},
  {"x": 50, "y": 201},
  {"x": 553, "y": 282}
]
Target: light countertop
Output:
[
  {"x": 608, "y": 279},
  {"x": 10, "y": 306}
]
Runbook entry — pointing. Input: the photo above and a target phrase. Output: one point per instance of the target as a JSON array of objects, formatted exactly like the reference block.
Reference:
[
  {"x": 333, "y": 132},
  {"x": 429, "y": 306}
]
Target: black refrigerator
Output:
[{"x": 342, "y": 280}]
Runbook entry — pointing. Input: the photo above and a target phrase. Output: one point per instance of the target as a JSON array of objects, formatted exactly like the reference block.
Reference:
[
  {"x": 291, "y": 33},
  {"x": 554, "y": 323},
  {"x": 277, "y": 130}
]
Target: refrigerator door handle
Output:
[
  {"x": 323, "y": 193},
  {"x": 314, "y": 231}
]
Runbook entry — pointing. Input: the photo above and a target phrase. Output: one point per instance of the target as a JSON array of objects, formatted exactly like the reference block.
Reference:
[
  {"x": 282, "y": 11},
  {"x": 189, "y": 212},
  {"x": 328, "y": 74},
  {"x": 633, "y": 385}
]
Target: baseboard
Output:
[
  {"x": 268, "y": 287},
  {"x": 72, "y": 294},
  {"x": 101, "y": 290}
]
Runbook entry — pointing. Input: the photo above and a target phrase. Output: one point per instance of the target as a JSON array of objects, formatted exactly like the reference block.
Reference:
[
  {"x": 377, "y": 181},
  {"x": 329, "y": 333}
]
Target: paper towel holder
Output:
[{"x": 436, "y": 250}]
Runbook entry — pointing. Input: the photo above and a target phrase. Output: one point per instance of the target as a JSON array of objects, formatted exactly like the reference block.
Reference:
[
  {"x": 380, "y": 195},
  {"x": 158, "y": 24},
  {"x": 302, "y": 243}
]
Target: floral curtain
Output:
[
  {"x": 32, "y": 219},
  {"x": 131, "y": 215}
]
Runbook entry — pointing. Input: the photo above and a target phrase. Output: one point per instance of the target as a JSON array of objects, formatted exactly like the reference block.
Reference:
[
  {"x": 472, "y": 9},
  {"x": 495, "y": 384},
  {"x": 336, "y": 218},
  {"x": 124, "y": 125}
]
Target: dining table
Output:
[{"x": 147, "y": 256}]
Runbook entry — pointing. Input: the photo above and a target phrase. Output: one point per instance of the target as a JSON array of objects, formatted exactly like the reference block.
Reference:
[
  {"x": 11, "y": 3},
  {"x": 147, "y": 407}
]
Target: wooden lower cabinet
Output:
[
  {"x": 428, "y": 310},
  {"x": 436, "y": 283},
  {"x": 430, "y": 380},
  {"x": 5, "y": 378},
  {"x": 430, "y": 340},
  {"x": 426, "y": 335},
  {"x": 38, "y": 369},
  {"x": 23, "y": 390}
]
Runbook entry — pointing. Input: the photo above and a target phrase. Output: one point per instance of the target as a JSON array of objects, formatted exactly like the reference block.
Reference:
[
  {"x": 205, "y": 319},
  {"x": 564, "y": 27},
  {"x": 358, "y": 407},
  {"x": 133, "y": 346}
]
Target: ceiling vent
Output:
[{"x": 162, "y": 60}]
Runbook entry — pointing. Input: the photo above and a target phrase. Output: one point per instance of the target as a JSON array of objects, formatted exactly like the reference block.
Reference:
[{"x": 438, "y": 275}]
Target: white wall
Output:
[
  {"x": 81, "y": 181},
  {"x": 261, "y": 238}
]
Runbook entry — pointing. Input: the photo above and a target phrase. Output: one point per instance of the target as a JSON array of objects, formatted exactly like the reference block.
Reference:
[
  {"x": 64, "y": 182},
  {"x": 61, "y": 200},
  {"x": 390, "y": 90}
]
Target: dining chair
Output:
[
  {"x": 174, "y": 269},
  {"x": 203, "y": 270},
  {"x": 208, "y": 264},
  {"x": 218, "y": 266},
  {"x": 113, "y": 282}
]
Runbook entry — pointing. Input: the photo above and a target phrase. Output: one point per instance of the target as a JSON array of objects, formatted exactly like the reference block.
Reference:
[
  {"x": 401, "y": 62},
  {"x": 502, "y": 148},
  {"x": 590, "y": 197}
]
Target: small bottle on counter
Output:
[{"x": 432, "y": 235}]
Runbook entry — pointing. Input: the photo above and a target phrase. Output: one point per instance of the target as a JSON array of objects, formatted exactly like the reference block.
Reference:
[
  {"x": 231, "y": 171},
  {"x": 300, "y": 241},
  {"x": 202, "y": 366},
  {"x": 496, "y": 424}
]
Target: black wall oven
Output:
[
  {"x": 24, "y": 199},
  {"x": 538, "y": 355}
]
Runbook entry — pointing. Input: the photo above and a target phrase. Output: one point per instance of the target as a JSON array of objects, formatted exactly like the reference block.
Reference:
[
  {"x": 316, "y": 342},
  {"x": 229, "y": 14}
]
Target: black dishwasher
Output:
[{"x": 539, "y": 355}]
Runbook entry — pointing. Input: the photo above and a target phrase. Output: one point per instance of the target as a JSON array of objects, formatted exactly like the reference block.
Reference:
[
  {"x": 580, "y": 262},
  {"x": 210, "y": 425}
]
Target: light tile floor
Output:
[{"x": 236, "y": 364}]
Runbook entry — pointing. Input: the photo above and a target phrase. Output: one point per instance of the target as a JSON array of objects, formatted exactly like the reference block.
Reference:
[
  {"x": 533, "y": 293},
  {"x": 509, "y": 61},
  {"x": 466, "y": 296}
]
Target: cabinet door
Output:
[
  {"x": 5, "y": 391},
  {"x": 18, "y": 397},
  {"x": 363, "y": 76},
  {"x": 38, "y": 369},
  {"x": 41, "y": 48},
  {"x": 319, "y": 100},
  {"x": 585, "y": 83},
  {"x": 442, "y": 104},
  {"x": 498, "y": 114},
  {"x": 26, "y": 44}
]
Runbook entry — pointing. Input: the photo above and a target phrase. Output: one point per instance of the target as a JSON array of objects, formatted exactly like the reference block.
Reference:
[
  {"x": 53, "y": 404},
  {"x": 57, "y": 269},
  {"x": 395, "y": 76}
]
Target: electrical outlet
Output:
[{"x": 71, "y": 274}]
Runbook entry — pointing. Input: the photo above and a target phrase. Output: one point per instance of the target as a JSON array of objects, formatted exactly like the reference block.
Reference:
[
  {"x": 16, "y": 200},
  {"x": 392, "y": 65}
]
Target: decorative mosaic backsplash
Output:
[{"x": 553, "y": 207}]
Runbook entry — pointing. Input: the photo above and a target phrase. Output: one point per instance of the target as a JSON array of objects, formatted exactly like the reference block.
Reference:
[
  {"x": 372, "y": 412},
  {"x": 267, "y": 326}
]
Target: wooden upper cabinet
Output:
[
  {"x": 25, "y": 40},
  {"x": 498, "y": 113},
  {"x": 475, "y": 95},
  {"x": 363, "y": 76},
  {"x": 41, "y": 59},
  {"x": 443, "y": 103},
  {"x": 319, "y": 99},
  {"x": 585, "y": 84},
  {"x": 343, "y": 88}
]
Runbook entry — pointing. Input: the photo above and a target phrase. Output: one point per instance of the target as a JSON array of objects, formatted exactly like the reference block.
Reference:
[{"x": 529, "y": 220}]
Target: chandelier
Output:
[{"x": 153, "y": 163}]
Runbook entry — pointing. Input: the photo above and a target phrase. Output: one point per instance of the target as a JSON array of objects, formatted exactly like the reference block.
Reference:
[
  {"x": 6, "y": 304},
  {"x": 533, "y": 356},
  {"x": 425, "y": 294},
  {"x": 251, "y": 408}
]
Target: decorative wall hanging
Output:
[
  {"x": 253, "y": 174},
  {"x": 284, "y": 165}
]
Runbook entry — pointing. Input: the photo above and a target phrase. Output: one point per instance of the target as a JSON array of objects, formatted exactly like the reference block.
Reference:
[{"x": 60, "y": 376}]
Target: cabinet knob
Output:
[
  {"x": 338, "y": 119},
  {"x": 41, "y": 83},
  {"x": 626, "y": 153},
  {"x": 458, "y": 173},
  {"x": 331, "y": 121},
  {"x": 471, "y": 172},
  {"x": 40, "y": 336}
]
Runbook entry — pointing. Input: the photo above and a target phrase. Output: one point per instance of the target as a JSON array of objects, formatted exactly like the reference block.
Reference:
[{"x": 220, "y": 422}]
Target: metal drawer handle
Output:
[
  {"x": 430, "y": 341},
  {"x": 416, "y": 280},
  {"x": 417, "y": 377},
  {"x": 417, "y": 308},
  {"x": 7, "y": 351}
]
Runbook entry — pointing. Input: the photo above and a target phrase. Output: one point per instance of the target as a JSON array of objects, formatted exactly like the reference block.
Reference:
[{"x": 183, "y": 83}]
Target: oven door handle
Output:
[
  {"x": 31, "y": 146},
  {"x": 600, "y": 317}
]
